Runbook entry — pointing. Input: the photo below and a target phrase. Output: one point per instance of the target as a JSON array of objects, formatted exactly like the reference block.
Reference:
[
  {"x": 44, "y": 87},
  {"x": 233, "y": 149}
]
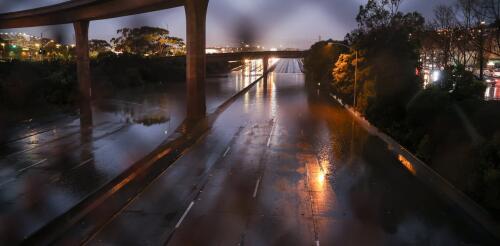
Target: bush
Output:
[{"x": 61, "y": 86}]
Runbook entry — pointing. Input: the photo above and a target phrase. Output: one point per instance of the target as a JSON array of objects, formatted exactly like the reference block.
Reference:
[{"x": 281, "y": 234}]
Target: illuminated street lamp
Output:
[{"x": 355, "y": 68}]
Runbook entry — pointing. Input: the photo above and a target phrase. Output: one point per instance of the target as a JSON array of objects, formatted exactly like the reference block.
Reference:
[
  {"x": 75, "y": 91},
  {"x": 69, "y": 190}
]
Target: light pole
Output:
[{"x": 355, "y": 68}]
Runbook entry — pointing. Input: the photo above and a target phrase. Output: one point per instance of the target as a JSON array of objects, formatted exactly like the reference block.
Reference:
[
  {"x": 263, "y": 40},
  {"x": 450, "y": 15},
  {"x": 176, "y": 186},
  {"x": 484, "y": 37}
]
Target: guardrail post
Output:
[
  {"x": 196, "y": 12},
  {"x": 83, "y": 72}
]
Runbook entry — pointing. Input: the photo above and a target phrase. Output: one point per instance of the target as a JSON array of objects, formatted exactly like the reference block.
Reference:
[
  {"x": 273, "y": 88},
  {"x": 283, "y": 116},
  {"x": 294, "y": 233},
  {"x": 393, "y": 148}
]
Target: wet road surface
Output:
[
  {"x": 48, "y": 167},
  {"x": 282, "y": 166}
]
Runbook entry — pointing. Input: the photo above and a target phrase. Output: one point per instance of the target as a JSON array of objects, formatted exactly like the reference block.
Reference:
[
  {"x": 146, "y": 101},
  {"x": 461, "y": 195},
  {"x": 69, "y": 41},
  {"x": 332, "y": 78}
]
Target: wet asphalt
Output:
[{"x": 286, "y": 166}]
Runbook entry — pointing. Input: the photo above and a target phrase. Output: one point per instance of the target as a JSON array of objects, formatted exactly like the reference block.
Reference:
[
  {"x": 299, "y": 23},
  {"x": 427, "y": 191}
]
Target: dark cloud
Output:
[{"x": 232, "y": 21}]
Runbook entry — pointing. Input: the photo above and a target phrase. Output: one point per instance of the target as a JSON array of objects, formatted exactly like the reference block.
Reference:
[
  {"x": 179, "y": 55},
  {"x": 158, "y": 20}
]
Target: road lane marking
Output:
[
  {"x": 83, "y": 163},
  {"x": 227, "y": 150},
  {"x": 7, "y": 181},
  {"x": 256, "y": 188},
  {"x": 184, "y": 215},
  {"x": 30, "y": 166},
  {"x": 317, "y": 242},
  {"x": 271, "y": 134}
]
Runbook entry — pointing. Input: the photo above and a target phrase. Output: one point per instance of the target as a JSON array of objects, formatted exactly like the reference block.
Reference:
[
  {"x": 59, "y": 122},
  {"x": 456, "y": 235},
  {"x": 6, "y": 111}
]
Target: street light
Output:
[{"x": 355, "y": 68}]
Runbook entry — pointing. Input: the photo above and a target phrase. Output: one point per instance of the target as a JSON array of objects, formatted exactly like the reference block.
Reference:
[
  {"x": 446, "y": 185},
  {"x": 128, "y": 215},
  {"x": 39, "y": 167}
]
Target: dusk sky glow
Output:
[{"x": 279, "y": 22}]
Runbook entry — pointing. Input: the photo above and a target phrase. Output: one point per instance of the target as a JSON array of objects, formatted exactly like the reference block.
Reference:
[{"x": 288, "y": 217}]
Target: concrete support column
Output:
[
  {"x": 83, "y": 72},
  {"x": 265, "y": 62},
  {"x": 196, "y": 13},
  {"x": 265, "y": 67}
]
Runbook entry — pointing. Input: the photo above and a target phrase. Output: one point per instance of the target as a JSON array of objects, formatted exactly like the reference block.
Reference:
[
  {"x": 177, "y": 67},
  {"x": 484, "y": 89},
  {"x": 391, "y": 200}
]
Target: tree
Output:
[
  {"x": 97, "y": 47},
  {"x": 3, "y": 44},
  {"x": 388, "y": 44},
  {"x": 468, "y": 32},
  {"x": 443, "y": 24},
  {"x": 147, "y": 41},
  {"x": 342, "y": 76},
  {"x": 321, "y": 58},
  {"x": 461, "y": 84}
]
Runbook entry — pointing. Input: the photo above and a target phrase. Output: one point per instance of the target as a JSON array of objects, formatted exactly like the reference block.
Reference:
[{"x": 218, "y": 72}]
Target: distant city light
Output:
[
  {"x": 211, "y": 51},
  {"x": 274, "y": 49},
  {"x": 436, "y": 75}
]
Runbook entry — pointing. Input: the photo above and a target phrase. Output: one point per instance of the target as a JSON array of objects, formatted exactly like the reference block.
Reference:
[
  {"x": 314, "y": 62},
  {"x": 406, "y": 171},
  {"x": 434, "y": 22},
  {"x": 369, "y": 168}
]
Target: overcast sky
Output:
[{"x": 291, "y": 23}]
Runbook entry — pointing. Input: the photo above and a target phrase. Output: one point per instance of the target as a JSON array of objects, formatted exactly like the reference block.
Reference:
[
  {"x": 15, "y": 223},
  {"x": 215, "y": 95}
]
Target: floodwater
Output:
[
  {"x": 284, "y": 166},
  {"x": 48, "y": 167}
]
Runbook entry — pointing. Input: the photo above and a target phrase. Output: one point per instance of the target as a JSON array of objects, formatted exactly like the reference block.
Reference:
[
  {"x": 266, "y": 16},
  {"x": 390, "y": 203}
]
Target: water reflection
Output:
[
  {"x": 492, "y": 89},
  {"x": 367, "y": 193},
  {"x": 407, "y": 164},
  {"x": 146, "y": 114},
  {"x": 49, "y": 168}
]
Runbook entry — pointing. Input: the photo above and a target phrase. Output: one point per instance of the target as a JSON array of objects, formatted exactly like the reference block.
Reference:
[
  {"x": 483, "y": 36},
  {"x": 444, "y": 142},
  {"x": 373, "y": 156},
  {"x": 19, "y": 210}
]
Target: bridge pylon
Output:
[
  {"x": 196, "y": 13},
  {"x": 83, "y": 72}
]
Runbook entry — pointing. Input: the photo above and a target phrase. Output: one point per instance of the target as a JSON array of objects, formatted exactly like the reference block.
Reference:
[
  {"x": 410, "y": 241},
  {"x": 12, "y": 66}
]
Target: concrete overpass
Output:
[
  {"x": 264, "y": 55},
  {"x": 81, "y": 12}
]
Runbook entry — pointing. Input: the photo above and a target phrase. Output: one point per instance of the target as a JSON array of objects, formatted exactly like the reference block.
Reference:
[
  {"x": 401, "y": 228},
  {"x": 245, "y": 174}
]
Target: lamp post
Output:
[
  {"x": 481, "y": 50},
  {"x": 355, "y": 68}
]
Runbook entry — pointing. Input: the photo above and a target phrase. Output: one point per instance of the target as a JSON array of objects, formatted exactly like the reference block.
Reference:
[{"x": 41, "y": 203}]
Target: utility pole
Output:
[
  {"x": 481, "y": 51},
  {"x": 355, "y": 79}
]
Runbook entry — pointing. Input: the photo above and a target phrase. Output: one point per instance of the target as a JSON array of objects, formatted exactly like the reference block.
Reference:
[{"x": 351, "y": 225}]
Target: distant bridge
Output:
[
  {"x": 257, "y": 55},
  {"x": 81, "y": 12}
]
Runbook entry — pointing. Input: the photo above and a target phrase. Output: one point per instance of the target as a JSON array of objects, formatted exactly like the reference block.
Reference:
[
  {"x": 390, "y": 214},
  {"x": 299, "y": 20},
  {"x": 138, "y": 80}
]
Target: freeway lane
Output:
[{"x": 282, "y": 166}]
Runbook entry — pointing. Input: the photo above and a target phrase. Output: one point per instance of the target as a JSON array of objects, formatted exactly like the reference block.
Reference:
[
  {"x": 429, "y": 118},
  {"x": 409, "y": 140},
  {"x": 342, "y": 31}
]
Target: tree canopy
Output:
[
  {"x": 147, "y": 41},
  {"x": 321, "y": 57},
  {"x": 388, "y": 43},
  {"x": 97, "y": 46}
]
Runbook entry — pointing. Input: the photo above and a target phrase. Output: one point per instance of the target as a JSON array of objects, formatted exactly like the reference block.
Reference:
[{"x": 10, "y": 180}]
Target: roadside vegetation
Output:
[
  {"x": 146, "y": 56},
  {"x": 447, "y": 124}
]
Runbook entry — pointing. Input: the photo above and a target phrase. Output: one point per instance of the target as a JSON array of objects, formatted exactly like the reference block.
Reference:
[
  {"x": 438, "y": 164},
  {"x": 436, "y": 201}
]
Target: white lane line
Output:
[
  {"x": 83, "y": 163},
  {"x": 317, "y": 242},
  {"x": 227, "y": 150},
  {"x": 184, "y": 215},
  {"x": 256, "y": 188},
  {"x": 271, "y": 134},
  {"x": 7, "y": 181},
  {"x": 30, "y": 166}
]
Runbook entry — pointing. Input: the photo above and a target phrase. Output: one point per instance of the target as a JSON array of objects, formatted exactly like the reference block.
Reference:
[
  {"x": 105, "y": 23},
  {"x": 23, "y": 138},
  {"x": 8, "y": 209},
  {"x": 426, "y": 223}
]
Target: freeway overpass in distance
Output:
[{"x": 81, "y": 12}]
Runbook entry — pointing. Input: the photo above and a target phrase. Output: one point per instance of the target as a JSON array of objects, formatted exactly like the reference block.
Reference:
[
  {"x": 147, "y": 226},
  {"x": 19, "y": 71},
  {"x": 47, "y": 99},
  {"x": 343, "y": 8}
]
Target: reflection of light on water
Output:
[
  {"x": 252, "y": 68},
  {"x": 246, "y": 101},
  {"x": 321, "y": 177},
  {"x": 407, "y": 164},
  {"x": 273, "y": 61},
  {"x": 492, "y": 92},
  {"x": 273, "y": 99},
  {"x": 33, "y": 139}
]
